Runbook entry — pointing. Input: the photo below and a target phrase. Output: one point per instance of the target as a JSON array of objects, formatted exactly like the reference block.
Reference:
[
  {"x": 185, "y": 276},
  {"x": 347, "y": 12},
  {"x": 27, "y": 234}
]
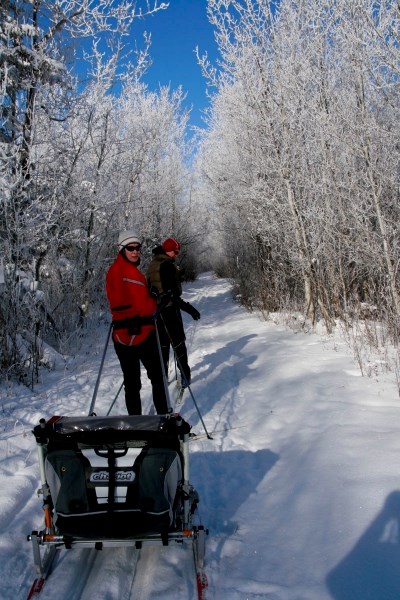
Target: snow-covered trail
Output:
[
  {"x": 299, "y": 486},
  {"x": 122, "y": 574}
]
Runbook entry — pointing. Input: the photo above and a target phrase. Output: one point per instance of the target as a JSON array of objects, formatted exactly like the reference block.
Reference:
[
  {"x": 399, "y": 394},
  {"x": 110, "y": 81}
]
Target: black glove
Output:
[
  {"x": 153, "y": 291},
  {"x": 192, "y": 311},
  {"x": 163, "y": 300}
]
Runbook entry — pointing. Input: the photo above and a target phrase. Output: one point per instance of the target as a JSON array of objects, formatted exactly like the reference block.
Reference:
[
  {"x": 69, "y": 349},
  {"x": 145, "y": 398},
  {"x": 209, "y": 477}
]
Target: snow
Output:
[{"x": 299, "y": 487}]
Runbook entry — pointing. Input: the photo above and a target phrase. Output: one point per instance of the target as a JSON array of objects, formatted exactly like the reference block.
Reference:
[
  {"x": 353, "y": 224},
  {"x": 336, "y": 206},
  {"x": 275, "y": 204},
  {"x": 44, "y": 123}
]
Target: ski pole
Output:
[
  {"x": 165, "y": 380},
  {"x": 115, "y": 399},
  {"x": 198, "y": 411},
  {"x": 96, "y": 387},
  {"x": 188, "y": 386}
]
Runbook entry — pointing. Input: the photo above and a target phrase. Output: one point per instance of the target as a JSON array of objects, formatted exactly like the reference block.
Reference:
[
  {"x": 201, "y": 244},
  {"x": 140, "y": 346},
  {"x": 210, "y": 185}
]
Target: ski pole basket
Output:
[{"x": 115, "y": 481}]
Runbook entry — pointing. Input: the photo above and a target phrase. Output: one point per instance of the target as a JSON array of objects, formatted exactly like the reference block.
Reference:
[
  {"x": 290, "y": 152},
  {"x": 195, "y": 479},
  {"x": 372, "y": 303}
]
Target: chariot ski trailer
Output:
[{"x": 115, "y": 481}]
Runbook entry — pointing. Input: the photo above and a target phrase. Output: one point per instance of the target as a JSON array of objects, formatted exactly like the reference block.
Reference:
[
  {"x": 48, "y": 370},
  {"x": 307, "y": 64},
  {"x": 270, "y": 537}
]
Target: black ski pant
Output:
[
  {"x": 172, "y": 333},
  {"x": 130, "y": 358}
]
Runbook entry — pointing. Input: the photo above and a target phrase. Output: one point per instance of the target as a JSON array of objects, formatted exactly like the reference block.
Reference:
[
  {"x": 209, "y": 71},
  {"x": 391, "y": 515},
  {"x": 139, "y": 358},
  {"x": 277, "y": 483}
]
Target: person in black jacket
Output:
[{"x": 164, "y": 281}]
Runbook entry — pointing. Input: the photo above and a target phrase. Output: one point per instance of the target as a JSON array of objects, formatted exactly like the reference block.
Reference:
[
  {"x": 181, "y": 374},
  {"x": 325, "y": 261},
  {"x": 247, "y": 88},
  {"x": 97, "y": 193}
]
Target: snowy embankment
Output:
[{"x": 299, "y": 487}]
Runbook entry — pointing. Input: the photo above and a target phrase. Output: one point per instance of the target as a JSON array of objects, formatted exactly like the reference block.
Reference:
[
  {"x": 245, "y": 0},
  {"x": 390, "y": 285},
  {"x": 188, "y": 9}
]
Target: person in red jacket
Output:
[{"x": 134, "y": 336}]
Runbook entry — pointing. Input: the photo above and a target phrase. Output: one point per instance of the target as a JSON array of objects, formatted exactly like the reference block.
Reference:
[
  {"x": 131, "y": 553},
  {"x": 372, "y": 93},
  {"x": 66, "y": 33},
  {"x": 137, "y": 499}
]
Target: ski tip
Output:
[
  {"x": 36, "y": 588},
  {"x": 202, "y": 585}
]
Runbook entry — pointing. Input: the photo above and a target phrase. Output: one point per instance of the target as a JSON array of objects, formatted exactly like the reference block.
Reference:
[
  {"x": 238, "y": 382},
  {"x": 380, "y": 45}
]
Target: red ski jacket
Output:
[{"x": 128, "y": 297}]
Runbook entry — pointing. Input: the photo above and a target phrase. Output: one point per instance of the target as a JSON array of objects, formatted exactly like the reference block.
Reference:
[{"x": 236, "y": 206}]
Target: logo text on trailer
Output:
[{"x": 121, "y": 477}]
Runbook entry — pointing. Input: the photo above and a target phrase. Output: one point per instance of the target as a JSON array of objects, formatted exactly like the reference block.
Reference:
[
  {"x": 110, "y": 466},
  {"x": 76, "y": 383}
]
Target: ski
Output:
[
  {"x": 37, "y": 585},
  {"x": 198, "y": 557},
  {"x": 202, "y": 584}
]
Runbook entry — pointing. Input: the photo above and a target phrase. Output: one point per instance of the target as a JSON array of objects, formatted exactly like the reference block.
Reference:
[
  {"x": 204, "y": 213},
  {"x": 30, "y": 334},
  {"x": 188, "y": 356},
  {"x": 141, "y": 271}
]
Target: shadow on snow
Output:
[
  {"x": 371, "y": 569},
  {"x": 229, "y": 478}
]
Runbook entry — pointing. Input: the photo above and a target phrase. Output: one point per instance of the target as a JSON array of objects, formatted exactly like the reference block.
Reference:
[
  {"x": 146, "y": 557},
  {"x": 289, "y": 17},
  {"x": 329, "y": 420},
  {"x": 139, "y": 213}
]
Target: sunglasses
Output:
[
  {"x": 176, "y": 252},
  {"x": 133, "y": 248}
]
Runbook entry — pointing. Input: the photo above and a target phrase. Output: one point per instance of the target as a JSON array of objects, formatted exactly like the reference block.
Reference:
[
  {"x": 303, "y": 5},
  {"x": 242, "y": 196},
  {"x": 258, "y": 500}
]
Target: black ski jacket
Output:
[{"x": 164, "y": 281}]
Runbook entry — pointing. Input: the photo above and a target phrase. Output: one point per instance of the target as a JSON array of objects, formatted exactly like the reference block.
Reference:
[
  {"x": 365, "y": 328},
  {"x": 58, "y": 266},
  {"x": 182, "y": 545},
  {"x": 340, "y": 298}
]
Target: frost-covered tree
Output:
[
  {"x": 38, "y": 45},
  {"x": 121, "y": 165},
  {"x": 301, "y": 157}
]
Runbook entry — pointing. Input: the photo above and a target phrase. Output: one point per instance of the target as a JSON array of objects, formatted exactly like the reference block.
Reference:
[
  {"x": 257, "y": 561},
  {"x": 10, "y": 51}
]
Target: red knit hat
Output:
[{"x": 170, "y": 245}]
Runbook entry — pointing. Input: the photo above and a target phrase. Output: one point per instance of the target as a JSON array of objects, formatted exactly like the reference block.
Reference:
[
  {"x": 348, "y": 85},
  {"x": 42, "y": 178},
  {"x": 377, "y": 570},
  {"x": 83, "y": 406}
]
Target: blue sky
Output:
[{"x": 176, "y": 32}]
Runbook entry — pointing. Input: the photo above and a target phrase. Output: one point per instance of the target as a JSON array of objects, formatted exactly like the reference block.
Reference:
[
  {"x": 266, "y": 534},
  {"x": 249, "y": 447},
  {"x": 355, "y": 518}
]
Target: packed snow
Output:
[{"x": 299, "y": 486}]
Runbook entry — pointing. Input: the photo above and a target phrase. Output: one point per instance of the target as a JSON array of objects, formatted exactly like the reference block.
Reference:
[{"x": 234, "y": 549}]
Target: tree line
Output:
[
  {"x": 293, "y": 187},
  {"x": 300, "y": 159},
  {"x": 86, "y": 150}
]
